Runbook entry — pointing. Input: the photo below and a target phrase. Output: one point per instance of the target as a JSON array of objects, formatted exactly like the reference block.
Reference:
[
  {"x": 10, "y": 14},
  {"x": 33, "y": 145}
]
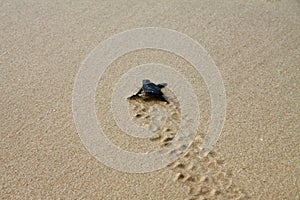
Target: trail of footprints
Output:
[{"x": 207, "y": 178}]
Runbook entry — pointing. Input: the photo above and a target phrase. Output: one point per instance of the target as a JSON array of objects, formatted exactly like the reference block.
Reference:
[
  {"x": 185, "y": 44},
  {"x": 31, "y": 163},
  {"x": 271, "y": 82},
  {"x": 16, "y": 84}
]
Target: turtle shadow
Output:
[{"x": 149, "y": 98}]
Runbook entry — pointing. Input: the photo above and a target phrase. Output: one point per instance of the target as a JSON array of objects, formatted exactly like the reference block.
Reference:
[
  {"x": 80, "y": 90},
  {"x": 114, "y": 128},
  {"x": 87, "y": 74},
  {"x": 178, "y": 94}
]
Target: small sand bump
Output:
[
  {"x": 207, "y": 179},
  {"x": 188, "y": 177},
  {"x": 203, "y": 179},
  {"x": 214, "y": 192},
  {"x": 179, "y": 165},
  {"x": 201, "y": 190},
  {"x": 167, "y": 130},
  {"x": 155, "y": 137},
  {"x": 229, "y": 173},
  {"x": 167, "y": 139},
  {"x": 175, "y": 116},
  {"x": 213, "y": 165},
  {"x": 187, "y": 155},
  {"x": 138, "y": 115},
  {"x": 178, "y": 176},
  {"x": 191, "y": 198},
  {"x": 165, "y": 144},
  {"x": 204, "y": 190},
  {"x": 194, "y": 191},
  {"x": 190, "y": 166},
  {"x": 205, "y": 160},
  {"x": 221, "y": 175},
  {"x": 154, "y": 128},
  {"x": 227, "y": 183},
  {"x": 182, "y": 147},
  {"x": 220, "y": 162},
  {"x": 173, "y": 151}
]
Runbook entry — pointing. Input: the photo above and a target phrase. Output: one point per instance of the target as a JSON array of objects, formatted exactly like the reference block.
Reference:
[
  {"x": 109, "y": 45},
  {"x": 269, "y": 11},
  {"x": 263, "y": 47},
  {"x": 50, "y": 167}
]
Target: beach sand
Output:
[{"x": 255, "y": 45}]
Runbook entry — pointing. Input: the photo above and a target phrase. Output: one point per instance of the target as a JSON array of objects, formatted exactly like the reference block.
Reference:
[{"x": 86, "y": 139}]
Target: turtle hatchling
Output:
[{"x": 151, "y": 90}]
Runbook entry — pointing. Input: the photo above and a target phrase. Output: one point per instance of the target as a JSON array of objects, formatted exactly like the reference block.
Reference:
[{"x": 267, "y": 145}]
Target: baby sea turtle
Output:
[{"x": 151, "y": 90}]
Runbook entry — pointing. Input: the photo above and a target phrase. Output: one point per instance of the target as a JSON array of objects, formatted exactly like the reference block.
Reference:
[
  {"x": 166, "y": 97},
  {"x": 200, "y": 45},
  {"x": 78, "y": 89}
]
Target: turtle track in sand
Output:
[{"x": 206, "y": 178}]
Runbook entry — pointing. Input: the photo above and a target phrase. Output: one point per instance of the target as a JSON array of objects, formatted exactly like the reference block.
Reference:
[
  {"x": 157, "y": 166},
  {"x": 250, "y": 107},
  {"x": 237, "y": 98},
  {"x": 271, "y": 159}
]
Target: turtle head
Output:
[{"x": 145, "y": 81}]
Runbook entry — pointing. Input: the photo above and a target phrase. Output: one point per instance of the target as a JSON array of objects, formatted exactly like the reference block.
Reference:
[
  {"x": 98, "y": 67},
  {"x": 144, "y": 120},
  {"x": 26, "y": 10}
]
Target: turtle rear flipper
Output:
[{"x": 161, "y": 98}]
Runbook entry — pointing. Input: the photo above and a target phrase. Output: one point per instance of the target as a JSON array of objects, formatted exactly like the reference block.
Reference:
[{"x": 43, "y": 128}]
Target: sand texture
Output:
[{"x": 255, "y": 45}]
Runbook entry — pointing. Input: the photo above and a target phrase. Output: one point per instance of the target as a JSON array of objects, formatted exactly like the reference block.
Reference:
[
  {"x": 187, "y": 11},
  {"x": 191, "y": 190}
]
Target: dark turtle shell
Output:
[{"x": 152, "y": 88}]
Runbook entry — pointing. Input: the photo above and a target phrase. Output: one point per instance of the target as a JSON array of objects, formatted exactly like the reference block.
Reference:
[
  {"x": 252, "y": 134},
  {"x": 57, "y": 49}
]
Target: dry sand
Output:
[{"x": 255, "y": 45}]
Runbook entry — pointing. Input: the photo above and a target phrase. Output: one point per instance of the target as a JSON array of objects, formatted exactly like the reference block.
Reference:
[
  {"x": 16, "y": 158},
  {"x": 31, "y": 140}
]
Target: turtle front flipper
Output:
[
  {"x": 162, "y": 85},
  {"x": 139, "y": 92},
  {"x": 136, "y": 95}
]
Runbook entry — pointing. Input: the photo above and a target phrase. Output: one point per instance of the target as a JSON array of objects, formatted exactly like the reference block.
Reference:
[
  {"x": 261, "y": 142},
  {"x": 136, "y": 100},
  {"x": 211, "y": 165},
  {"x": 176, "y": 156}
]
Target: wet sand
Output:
[{"x": 255, "y": 45}]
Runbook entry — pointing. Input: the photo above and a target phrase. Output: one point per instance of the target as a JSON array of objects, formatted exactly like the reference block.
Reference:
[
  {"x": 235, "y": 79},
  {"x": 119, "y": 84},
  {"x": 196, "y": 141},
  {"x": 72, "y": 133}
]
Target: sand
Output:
[{"x": 255, "y": 45}]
